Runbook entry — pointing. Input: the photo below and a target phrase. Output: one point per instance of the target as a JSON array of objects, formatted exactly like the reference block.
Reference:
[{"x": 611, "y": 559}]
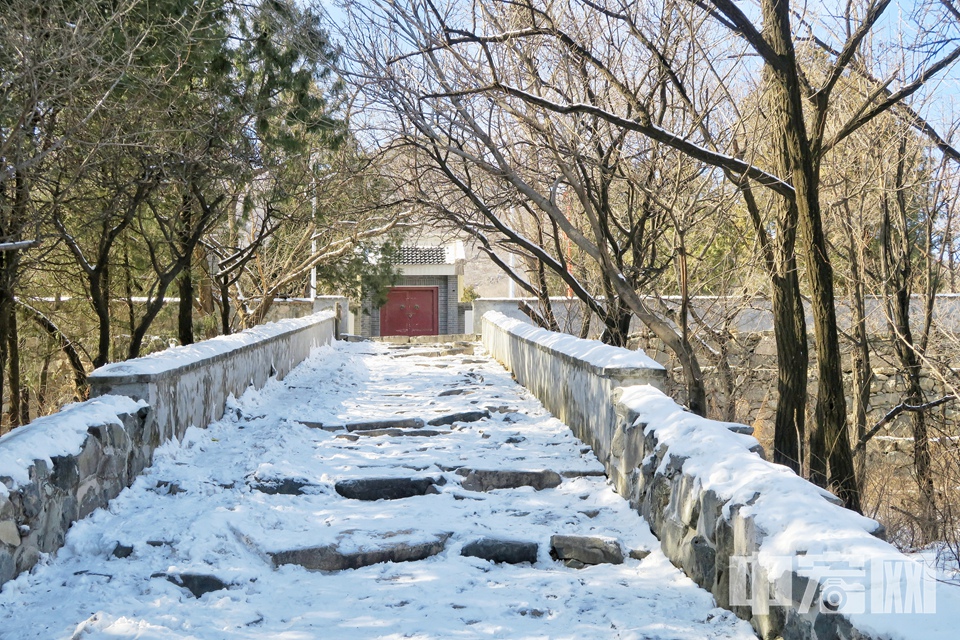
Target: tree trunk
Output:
[
  {"x": 586, "y": 317},
  {"x": 903, "y": 339},
  {"x": 533, "y": 314},
  {"x": 790, "y": 333},
  {"x": 543, "y": 291},
  {"x": 100, "y": 299},
  {"x": 224, "y": 306},
  {"x": 616, "y": 323},
  {"x": 13, "y": 360},
  {"x": 830, "y": 452},
  {"x": 789, "y": 326},
  {"x": 128, "y": 286},
  {"x": 833, "y": 440},
  {"x": 692, "y": 374},
  {"x": 44, "y": 379},
  {"x": 259, "y": 314},
  {"x": 68, "y": 348},
  {"x": 185, "y": 281},
  {"x": 150, "y": 314},
  {"x": 6, "y": 308},
  {"x": 185, "y": 308},
  {"x": 725, "y": 374},
  {"x": 898, "y": 270},
  {"x": 862, "y": 371}
]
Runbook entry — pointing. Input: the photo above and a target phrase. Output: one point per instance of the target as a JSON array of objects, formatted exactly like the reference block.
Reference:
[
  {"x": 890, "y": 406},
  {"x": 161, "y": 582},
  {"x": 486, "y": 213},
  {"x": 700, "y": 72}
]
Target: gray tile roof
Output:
[{"x": 422, "y": 255}]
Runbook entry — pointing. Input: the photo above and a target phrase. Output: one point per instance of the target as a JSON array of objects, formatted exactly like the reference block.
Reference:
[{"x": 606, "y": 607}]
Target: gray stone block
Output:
[
  {"x": 39, "y": 471},
  {"x": 197, "y": 584},
  {"x": 492, "y": 479},
  {"x": 7, "y": 508},
  {"x": 90, "y": 496},
  {"x": 686, "y": 500},
  {"x": 386, "y": 488},
  {"x": 454, "y": 392},
  {"x": 27, "y": 555},
  {"x": 89, "y": 458},
  {"x": 9, "y": 533},
  {"x": 284, "y": 486},
  {"x": 586, "y": 549},
  {"x": 330, "y": 558},
  {"x": 497, "y": 550},
  {"x": 465, "y": 416},
  {"x": 672, "y": 535},
  {"x": 639, "y": 554},
  {"x": 392, "y": 423},
  {"x": 698, "y": 559},
  {"x": 393, "y": 433},
  {"x": 8, "y": 565}
]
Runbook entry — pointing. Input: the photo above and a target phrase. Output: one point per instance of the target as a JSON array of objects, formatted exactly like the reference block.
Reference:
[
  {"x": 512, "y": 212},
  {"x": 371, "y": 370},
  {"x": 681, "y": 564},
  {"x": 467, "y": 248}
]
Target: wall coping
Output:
[
  {"x": 600, "y": 359},
  {"x": 178, "y": 360},
  {"x": 59, "y": 434},
  {"x": 724, "y": 462}
]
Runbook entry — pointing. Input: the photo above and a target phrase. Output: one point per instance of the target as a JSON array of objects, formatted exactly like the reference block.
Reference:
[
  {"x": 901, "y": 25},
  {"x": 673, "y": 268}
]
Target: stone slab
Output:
[
  {"x": 586, "y": 549},
  {"x": 331, "y": 558},
  {"x": 370, "y": 489},
  {"x": 465, "y": 416},
  {"x": 499, "y": 550},
  {"x": 492, "y": 479}
]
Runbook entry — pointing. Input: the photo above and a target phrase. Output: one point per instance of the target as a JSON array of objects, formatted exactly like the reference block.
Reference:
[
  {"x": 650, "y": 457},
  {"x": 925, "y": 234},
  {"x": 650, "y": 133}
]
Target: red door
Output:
[{"x": 410, "y": 311}]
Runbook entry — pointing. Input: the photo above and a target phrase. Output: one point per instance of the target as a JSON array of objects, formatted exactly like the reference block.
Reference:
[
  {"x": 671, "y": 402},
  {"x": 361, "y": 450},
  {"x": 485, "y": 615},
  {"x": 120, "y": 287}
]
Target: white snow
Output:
[
  {"x": 590, "y": 351},
  {"x": 59, "y": 434},
  {"x": 177, "y": 357},
  {"x": 214, "y": 523}
]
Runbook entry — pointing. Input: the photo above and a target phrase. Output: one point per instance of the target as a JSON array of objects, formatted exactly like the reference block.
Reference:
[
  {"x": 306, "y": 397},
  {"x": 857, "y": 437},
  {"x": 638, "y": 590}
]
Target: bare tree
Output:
[{"x": 534, "y": 160}]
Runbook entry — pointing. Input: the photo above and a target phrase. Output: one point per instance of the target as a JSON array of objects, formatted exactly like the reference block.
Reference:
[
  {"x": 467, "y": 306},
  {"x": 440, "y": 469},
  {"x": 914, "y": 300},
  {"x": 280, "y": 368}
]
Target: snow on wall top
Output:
[
  {"x": 723, "y": 462},
  {"x": 590, "y": 351},
  {"x": 176, "y": 358},
  {"x": 793, "y": 513},
  {"x": 60, "y": 434}
]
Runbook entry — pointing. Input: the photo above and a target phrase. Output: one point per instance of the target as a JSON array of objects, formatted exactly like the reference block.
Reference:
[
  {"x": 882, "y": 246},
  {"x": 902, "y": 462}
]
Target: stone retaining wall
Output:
[
  {"x": 190, "y": 385},
  {"x": 769, "y": 545},
  {"x": 62, "y": 467},
  {"x": 574, "y": 390}
]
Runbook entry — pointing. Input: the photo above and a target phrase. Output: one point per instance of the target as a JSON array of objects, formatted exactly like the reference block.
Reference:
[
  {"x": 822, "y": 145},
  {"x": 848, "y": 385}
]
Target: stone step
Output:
[
  {"x": 464, "y": 416},
  {"x": 579, "y": 551},
  {"x": 499, "y": 550},
  {"x": 196, "y": 583},
  {"x": 331, "y": 558},
  {"x": 455, "y": 392},
  {"x": 491, "y": 479},
  {"x": 280, "y": 486},
  {"x": 393, "y": 433},
  {"x": 366, "y": 425},
  {"x": 387, "y": 488}
]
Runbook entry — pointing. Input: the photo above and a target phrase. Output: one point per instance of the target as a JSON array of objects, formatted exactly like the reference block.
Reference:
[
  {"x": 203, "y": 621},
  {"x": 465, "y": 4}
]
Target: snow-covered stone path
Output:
[{"x": 233, "y": 511}]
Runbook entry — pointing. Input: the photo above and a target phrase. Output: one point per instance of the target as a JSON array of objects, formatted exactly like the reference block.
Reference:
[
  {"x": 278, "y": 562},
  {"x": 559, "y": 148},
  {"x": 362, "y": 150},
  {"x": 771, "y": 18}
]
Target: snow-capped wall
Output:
[
  {"x": 770, "y": 546},
  {"x": 62, "y": 467},
  {"x": 573, "y": 378},
  {"x": 190, "y": 385}
]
